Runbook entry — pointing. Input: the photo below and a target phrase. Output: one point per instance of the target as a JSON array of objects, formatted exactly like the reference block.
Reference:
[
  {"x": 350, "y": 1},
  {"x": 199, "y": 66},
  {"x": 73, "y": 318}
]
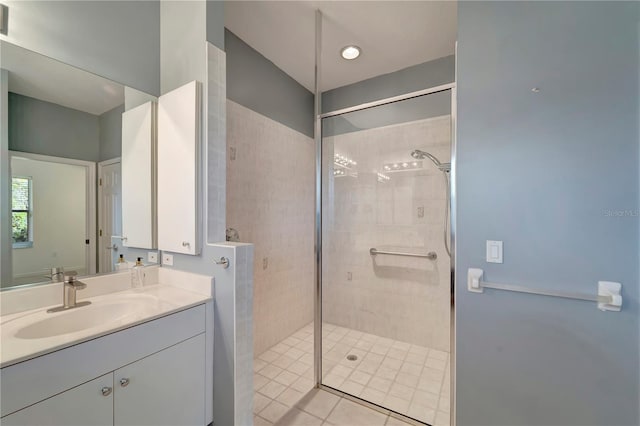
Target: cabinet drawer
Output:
[{"x": 31, "y": 381}]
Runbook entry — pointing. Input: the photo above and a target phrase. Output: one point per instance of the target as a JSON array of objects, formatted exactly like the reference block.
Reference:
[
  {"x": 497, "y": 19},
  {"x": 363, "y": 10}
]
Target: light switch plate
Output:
[
  {"x": 494, "y": 251},
  {"x": 167, "y": 259}
]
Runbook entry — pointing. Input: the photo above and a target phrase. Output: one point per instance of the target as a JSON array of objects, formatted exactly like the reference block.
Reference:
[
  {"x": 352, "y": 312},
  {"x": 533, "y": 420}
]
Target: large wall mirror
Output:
[{"x": 65, "y": 147}]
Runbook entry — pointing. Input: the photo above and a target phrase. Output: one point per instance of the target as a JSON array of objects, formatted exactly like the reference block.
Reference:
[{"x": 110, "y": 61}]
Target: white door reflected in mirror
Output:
[
  {"x": 109, "y": 212},
  {"x": 51, "y": 221}
]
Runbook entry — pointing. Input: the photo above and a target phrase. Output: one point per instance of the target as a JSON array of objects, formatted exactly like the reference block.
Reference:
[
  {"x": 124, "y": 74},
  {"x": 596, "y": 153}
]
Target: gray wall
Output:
[
  {"x": 540, "y": 171},
  {"x": 110, "y": 124},
  {"x": 418, "y": 77},
  {"x": 183, "y": 50},
  {"x": 215, "y": 23},
  {"x": 422, "y": 76},
  {"x": 256, "y": 83},
  {"x": 50, "y": 129},
  {"x": 45, "y": 128},
  {"x": 119, "y": 40}
]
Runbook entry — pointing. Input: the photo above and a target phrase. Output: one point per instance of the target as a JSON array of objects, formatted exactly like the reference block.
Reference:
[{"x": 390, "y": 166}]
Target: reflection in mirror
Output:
[
  {"x": 65, "y": 139},
  {"x": 50, "y": 216}
]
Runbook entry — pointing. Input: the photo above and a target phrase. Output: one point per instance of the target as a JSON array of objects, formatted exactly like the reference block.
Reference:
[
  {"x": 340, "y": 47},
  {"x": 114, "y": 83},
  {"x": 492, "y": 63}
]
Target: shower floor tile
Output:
[{"x": 409, "y": 379}]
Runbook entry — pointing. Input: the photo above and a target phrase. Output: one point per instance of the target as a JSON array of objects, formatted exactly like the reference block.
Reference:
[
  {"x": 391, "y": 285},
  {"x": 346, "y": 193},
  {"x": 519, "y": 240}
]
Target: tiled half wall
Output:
[{"x": 270, "y": 202}]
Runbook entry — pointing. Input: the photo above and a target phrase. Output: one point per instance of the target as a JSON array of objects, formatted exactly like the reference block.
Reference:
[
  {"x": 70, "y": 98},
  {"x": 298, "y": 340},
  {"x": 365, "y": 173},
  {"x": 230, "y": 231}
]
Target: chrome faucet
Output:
[
  {"x": 69, "y": 288},
  {"x": 56, "y": 274}
]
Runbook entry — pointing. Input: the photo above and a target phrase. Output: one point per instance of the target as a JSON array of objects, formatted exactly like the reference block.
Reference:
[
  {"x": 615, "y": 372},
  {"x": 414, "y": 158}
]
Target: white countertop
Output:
[{"x": 108, "y": 313}]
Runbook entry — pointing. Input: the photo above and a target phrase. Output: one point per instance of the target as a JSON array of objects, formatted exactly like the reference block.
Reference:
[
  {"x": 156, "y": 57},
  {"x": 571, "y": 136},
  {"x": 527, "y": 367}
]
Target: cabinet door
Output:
[
  {"x": 166, "y": 388},
  {"x": 139, "y": 176},
  {"x": 179, "y": 169},
  {"x": 90, "y": 404}
]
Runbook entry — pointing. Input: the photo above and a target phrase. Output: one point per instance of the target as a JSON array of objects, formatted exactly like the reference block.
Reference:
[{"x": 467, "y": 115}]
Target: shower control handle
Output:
[{"x": 223, "y": 261}]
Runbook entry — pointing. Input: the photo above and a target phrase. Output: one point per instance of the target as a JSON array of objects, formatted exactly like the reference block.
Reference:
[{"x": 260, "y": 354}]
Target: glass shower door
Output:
[{"x": 386, "y": 294}]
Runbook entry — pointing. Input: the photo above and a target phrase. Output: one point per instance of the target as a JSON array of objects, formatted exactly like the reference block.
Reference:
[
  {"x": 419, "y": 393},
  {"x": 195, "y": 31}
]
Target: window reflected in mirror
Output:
[{"x": 21, "y": 212}]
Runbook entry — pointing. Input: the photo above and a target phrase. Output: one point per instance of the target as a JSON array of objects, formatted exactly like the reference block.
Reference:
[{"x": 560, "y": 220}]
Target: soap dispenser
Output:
[
  {"x": 122, "y": 264},
  {"x": 137, "y": 274}
]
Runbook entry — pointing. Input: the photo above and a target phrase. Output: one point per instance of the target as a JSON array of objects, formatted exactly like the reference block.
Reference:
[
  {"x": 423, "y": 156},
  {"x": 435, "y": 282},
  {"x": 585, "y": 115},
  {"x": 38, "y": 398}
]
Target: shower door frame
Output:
[
  {"x": 319, "y": 116},
  {"x": 318, "y": 234}
]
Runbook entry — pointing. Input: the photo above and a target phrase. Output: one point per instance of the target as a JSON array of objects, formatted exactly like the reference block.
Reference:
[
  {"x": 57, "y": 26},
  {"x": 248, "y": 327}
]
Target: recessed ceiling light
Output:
[{"x": 350, "y": 52}]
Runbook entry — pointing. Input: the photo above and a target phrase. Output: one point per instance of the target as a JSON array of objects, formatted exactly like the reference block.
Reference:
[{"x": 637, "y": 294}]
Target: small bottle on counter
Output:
[
  {"x": 137, "y": 274},
  {"x": 122, "y": 264}
]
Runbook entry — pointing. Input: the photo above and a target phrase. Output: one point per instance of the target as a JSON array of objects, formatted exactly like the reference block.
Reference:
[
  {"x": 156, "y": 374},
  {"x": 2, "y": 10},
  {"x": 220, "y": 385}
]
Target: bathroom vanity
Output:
[{"x": 132, "y": 357}]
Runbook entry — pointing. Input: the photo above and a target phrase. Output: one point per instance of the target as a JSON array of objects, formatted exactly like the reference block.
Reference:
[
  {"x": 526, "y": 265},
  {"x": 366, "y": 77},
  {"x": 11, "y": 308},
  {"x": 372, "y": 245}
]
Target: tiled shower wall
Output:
[
  {"x": 406, "y": 299},
  {"x": 270, "y": 202}
]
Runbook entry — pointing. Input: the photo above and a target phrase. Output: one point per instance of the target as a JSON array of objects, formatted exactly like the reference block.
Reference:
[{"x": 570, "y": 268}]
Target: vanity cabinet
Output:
[
  {"x": 166, "y": 388},
  {"x": 90, "y": 404},
  {"x": 150, "y": 374}
]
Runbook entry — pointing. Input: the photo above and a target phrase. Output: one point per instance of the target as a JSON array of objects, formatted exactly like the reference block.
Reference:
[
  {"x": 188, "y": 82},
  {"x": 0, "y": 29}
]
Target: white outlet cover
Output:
[
  {"x": 152, "y": 257},
  {"x": 167, "y": 259}
]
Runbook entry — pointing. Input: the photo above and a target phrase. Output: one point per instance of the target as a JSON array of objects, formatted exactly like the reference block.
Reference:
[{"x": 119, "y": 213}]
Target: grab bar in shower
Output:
[
  {"x": 431, "y": 255},
  {"x": 608, "y": 297}
]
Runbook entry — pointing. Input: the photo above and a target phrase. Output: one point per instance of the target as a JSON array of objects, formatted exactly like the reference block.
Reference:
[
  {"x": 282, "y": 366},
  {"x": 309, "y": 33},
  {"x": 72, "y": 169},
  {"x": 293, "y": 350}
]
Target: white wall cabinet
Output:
[
  {"x": 179, "y": 146},
  {"x": 139, "y": 176},
  {"x": 90, "y": 404}
]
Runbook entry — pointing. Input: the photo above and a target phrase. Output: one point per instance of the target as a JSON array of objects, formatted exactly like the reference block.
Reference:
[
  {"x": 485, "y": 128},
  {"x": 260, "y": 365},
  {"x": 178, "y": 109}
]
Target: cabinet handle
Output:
[
  {"x": 124, "y": 382},
  {"x": 106, "y": 391}
]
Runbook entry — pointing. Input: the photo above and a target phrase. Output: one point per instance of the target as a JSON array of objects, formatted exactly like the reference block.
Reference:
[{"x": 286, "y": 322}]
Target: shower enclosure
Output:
[{"x": 385, "y": 272}]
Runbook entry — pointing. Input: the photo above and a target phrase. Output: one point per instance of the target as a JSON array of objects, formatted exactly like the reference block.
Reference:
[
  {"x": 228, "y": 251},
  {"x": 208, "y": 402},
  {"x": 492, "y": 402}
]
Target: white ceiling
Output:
[
  {"x": 40, "y": 77},
  {"x": 392, "y": 35}
]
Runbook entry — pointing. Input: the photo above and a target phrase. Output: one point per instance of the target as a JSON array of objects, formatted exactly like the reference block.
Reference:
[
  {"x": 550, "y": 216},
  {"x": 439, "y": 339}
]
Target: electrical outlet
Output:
[
  {"x": 152, "y": 257},
  {"x": 420, "y": 212},
  {"x": 167, "y": 259}
]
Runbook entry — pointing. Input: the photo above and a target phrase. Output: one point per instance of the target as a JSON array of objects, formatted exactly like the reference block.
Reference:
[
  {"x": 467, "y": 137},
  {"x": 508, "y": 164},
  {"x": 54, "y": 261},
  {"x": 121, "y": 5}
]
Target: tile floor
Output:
[
  {"x": 319, "y": 407},
  {"x": 409, "y": 379}
]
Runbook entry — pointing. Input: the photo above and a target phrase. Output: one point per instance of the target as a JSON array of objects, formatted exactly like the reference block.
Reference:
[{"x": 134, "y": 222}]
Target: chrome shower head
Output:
[
  {"x": 417, "y": 154},
  {"x": 421, "y": 155}
]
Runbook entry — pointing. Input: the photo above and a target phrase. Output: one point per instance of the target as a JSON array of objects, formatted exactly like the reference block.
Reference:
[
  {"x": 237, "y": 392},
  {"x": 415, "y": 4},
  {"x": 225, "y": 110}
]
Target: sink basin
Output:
[
  {"x": 31, "y": 333},
  {"x": 86, "y": 317}
]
